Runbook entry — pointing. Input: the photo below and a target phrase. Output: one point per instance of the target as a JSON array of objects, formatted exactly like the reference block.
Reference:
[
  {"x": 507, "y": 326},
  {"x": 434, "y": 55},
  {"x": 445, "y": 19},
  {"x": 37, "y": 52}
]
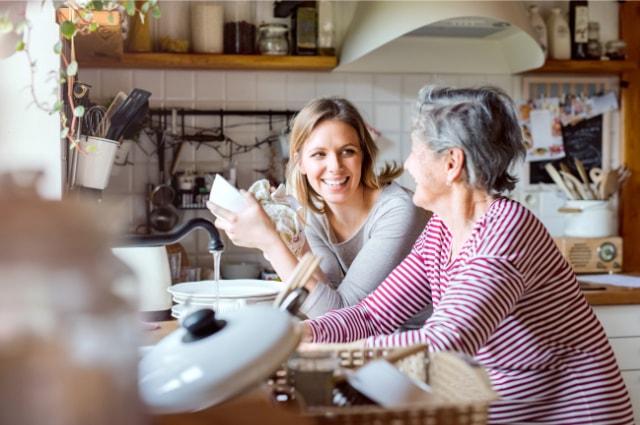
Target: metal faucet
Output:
[{"x": 215, "y": 243}]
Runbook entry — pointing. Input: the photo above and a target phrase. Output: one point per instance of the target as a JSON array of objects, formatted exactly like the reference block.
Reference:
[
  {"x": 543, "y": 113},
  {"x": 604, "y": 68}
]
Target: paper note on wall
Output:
[{"x": 546, "y": 136}]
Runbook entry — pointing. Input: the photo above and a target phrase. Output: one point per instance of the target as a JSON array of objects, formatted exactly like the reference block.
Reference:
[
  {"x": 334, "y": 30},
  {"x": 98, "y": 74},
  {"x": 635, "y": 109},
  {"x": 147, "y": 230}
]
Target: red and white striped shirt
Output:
[{"x": 510, "y": 300}]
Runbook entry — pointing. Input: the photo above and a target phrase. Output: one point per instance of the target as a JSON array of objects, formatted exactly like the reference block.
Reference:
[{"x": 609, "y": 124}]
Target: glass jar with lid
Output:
[{"x": 273, "y": 39}]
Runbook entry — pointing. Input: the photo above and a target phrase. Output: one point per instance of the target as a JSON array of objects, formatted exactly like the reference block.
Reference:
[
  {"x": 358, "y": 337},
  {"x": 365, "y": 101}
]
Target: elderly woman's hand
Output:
[{"x": 251, "y": 228}]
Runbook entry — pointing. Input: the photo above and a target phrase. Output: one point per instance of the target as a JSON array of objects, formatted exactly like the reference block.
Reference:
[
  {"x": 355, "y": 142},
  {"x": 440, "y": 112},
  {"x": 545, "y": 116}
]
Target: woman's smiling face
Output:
[{"x": 331, "y": 160}]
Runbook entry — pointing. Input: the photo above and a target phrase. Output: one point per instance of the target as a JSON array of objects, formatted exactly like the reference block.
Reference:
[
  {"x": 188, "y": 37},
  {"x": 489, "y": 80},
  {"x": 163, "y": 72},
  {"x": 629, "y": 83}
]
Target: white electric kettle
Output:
[{"x": 150, "y": 267}]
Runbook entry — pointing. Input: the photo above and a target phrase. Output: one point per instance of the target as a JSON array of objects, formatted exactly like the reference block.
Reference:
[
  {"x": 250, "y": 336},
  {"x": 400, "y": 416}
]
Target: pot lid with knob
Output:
[{"x": 211, "y": 359}]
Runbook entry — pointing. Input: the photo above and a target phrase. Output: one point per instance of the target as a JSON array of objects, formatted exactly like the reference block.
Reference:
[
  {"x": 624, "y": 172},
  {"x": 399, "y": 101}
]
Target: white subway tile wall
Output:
[{"x": 386, "y": 101}]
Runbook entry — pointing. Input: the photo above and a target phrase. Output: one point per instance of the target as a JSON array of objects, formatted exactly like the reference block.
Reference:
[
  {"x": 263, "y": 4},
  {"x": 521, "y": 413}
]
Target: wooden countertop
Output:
[{"x": 610, "y": 295}]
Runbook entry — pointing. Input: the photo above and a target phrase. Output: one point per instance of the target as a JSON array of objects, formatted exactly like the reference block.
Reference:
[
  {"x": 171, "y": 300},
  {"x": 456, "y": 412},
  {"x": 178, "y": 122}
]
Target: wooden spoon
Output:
[{"x": 582, "y": 172}]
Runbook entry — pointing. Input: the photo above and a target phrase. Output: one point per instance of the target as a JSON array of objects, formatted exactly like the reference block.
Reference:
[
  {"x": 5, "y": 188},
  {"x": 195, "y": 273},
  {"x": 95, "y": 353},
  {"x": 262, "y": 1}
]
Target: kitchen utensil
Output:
[
  {"x": 213, "y": 358},
  {"x": 94, "y": 121},
  {"x": 623, "y": 174},
  {"x": 589, "y": 219},
  {"x": 127, "y": 112},
  {"x": 301, "y": 274},
  {"x": 113, "y": 107},
  {"x": 596, "y": 177},
  {"x": 94, "y": 163},
  {"x": 557, "y": 179},
  {"x": 582, "y": 172},
  {"x": 574, "y": 185},
  {"x": 609, "y": 184},
  {"x": 164, "y": 216},
  {"x": 150, "y": 266},
  {"x": 606, "y": 182}
]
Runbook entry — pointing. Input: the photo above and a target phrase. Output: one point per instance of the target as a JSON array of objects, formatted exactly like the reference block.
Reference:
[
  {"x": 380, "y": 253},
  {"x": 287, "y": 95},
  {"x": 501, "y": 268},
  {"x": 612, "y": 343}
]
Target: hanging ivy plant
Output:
[{"x": 79, "y": 22}]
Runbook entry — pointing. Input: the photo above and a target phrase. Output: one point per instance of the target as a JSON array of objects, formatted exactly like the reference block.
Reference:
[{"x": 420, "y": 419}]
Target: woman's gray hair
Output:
[{"x": 480, "y": 121}]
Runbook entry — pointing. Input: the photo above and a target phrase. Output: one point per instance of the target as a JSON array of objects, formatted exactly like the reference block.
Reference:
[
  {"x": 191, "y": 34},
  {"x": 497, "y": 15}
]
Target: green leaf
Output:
[
  {"x": 97, "y": 5},
  {"x": 57, "y": 106},
  {"x": 145, "y": 7},
  {"x": 64, "y": 132},
  {"x": 155, "y": 12},
  {"x": 130, "y": 7},
  {"x": 79, "y": 111},
  {"x": 20, "y": 46},
  {"x": 72, "y": 69},
  {"x": 6, "y": 26},
  {"x": 110, "y": 18},
  {"x": 68, "y": 29},
  {"x": 57, "y": 48},
  {"x": 93, "y": 26}
]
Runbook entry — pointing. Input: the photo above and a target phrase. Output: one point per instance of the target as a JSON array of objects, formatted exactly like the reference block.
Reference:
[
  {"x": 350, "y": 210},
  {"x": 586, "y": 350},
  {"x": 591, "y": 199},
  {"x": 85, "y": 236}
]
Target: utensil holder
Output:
[
  {"x": 94, "y": 162},
  {"x": 590, "y": 219}
]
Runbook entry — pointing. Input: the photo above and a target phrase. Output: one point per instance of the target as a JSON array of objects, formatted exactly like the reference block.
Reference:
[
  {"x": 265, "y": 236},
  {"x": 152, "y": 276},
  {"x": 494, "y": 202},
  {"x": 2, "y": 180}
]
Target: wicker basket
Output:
[{"x": 461, "y": 391}]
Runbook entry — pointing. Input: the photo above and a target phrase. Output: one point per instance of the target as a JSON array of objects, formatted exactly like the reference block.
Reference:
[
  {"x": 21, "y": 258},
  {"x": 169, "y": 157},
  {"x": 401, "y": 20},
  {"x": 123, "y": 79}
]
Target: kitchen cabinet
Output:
[
  {"x": 622, "y": 325},
  {"x": 214, "y": 61}
]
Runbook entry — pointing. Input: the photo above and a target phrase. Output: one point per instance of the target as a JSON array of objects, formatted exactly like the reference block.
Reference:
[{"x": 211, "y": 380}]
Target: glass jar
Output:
[
  {"x": 594, "y": 47},
  {"x": 616, "y": 49},
  {"x": 273, "y": 39},
  {"x": 172, "y": 29},
  {"x": 326, "y": 29},
  {"x": 239, "y": 28}
]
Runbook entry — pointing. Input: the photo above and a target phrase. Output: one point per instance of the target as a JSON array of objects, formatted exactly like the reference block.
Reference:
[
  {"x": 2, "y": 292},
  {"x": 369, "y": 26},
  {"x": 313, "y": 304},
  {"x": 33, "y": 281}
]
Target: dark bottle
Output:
[{"x": 579, "y": 26}]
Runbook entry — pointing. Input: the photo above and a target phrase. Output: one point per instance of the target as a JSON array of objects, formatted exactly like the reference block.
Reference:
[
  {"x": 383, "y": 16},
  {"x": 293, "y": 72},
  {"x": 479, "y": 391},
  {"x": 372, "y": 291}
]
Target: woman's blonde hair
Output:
[{"x": 308, "y": 119}]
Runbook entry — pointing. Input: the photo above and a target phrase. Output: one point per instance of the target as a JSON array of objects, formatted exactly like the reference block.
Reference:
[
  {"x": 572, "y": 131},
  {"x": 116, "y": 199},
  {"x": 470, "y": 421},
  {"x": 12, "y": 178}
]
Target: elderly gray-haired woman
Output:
[{"x": 500, "y": 289}]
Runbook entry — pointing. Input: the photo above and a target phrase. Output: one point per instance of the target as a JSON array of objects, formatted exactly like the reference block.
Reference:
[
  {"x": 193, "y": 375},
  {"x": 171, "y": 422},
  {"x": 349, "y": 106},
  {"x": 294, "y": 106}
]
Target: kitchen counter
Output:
[
  {"x": 595, "y": 294},
  {"x": 610, "y": 295}
]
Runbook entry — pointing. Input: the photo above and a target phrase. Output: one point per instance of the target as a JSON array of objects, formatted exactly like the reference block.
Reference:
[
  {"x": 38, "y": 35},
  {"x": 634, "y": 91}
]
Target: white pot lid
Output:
[
  {"x": 183, "y": 373},
  {"x": 234, "y": 288}
]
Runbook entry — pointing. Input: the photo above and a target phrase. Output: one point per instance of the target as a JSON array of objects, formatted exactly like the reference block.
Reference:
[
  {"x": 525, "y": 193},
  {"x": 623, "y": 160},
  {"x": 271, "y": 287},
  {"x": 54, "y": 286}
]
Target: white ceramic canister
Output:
[
  {"x": 207, "y": 25},
  {"x": 559, "y": 36},
  {"x": 596, "y": 219},
  {"x": 539, "y": 29}
]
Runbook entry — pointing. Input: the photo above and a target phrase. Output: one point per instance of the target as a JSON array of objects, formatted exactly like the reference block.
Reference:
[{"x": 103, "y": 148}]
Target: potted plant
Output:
[{"x": 78, "y": 21}]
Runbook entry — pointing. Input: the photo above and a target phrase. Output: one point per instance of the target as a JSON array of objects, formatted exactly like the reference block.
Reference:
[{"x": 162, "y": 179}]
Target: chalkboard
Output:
[{"x": 583, "y": 141}]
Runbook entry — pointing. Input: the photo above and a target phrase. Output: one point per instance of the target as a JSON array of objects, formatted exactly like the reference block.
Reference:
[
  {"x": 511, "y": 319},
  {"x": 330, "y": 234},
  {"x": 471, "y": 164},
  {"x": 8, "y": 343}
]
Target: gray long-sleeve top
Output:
[{"x": 355, "y": 267}]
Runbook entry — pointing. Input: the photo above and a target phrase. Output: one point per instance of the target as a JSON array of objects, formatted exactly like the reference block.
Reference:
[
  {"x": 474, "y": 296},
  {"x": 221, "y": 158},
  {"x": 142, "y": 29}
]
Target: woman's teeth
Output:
[{"x": 335, "y": 183}]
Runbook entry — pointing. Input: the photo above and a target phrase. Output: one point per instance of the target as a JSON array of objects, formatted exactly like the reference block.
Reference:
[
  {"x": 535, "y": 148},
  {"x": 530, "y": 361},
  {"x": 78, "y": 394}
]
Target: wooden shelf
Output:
[
  {"x": 585, "y": 67},
  {"x": 213, "y": 61}
]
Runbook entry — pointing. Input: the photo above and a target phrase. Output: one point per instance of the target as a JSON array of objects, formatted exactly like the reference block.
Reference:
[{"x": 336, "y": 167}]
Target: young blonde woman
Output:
[{"x": 360, "y": 224}]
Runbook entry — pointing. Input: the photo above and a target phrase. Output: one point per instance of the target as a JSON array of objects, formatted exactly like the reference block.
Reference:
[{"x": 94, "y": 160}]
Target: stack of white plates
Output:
[{"x": 226, "y": 295}]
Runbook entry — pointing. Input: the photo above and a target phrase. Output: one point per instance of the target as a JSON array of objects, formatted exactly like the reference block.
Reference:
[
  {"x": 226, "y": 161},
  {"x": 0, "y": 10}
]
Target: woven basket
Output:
[{"x": 462, "y": 391}]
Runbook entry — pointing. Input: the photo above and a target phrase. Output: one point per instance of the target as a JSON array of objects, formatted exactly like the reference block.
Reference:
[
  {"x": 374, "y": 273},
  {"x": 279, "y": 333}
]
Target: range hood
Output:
[{"x": 462, "y": 37}]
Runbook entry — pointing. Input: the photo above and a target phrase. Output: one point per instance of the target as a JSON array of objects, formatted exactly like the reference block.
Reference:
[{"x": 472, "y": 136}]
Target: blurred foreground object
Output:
[{"x": 68, "y": 350}]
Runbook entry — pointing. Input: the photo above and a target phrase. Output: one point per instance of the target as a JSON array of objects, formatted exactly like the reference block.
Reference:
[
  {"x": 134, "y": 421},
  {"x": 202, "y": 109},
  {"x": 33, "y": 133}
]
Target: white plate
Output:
[
  {"x": 234, "y": 288},
  {"x": 206, "y": 301}
]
